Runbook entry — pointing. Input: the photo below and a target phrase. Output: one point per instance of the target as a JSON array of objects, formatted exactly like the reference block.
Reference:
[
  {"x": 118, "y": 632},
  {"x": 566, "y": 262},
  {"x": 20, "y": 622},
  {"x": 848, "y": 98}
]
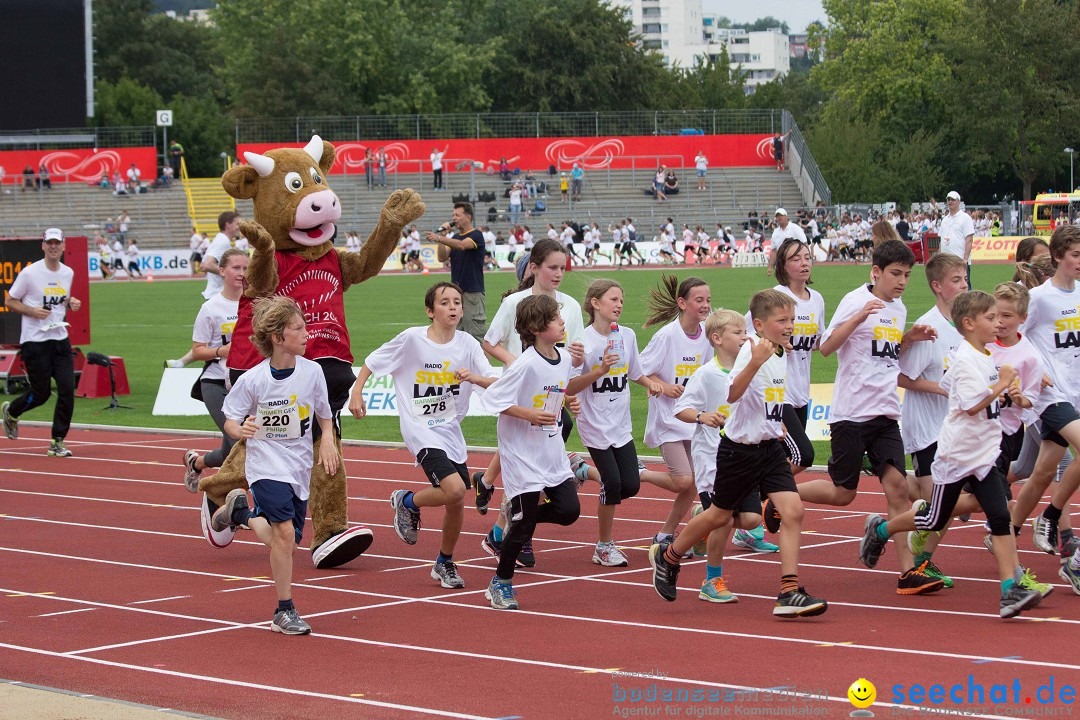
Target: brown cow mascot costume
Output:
[{"x": 292, "y": 237}]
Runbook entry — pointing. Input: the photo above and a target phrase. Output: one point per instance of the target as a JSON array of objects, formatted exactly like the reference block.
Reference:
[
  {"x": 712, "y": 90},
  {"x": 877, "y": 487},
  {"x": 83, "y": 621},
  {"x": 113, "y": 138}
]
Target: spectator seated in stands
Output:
[
  {"x": 29, "y": 178},
  {"x": 121, "y": 187},
  {"x": 530, "y": 184},
  {"x": 671, "y": 183},
  {"x": 162, "y": 180},
  {"x": 504, "y": 168}
]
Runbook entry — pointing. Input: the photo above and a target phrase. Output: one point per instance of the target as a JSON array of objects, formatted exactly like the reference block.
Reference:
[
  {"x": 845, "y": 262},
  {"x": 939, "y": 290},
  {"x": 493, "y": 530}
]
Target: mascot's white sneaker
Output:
[
  {"x": 215, "y": 538},
  {"x": 342, "y": 548}
]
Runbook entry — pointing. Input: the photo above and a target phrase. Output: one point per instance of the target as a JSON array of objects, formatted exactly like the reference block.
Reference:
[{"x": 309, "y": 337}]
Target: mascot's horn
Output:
[
  {"x": 262, "y": 164},
  {"x": 314, "y": 148}
]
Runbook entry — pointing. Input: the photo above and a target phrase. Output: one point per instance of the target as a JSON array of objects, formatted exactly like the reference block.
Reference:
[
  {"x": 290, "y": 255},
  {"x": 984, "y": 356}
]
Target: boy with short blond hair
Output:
[
  {"x": 967, "y": 454},
  {"x": 271, "y": 407},
  {"x": 751, "y": 457},
  {"x": 925, "y": 403}
]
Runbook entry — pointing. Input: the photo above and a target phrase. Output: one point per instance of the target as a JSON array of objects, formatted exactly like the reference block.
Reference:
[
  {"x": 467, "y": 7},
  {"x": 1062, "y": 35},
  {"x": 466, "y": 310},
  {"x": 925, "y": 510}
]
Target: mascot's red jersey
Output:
[{"x": 317, "y": 289}]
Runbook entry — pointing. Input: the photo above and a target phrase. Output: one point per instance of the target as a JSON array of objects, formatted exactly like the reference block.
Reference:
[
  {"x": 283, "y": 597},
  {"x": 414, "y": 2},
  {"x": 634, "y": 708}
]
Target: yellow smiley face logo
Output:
[{"x": 862, "y": 693}]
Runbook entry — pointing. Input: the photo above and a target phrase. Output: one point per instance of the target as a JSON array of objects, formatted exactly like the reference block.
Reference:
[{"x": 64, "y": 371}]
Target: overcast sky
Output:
[{"x": 797, "y": 13}]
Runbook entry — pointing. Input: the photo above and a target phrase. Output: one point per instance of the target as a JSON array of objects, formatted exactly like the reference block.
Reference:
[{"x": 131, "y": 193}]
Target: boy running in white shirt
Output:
[
  {"x": 528, "y": 399},
  {"x": 926, "y": 404},
  {"x": 751, "y": 457},
  {"x": 867, "y": 332},
  {"x": 1053, "y": 327},
  {"x": 429, "y": 365},
  {"x": 968, "y": 447},
  {"x": 705, "y": 403},
  {"x": 272, "y": 407}
]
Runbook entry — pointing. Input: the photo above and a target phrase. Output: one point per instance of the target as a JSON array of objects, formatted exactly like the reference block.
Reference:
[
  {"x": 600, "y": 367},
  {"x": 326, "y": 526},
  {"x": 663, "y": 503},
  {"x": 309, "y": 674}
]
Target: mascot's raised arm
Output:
[{"x": 295, "y": 221}]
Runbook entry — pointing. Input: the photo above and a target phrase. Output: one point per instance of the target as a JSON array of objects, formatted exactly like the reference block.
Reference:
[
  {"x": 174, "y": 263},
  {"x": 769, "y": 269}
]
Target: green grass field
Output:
[{"x": 149, "y": 322}]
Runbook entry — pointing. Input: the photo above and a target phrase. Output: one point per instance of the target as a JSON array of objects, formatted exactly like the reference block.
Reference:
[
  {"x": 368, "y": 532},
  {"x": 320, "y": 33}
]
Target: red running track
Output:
[{"x": 109, "y": 588}]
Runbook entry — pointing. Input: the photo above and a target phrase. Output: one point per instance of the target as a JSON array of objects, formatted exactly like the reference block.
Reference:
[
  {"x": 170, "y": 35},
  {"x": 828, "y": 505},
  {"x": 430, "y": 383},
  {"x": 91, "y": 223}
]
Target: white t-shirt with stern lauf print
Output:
[
  {"x": 707, "y": 391},
  {"x": 758, "y": 414},
  {"x": 431, "y": 402},
  {"x": 604, "y": 420},
  {"x": 869, "y": 361},
  {"x": 969, "y": 444},
  {"x": 923, "y": 413},
  {"x": 533, "y": 456},
  {"x": 672, "y": 357}
]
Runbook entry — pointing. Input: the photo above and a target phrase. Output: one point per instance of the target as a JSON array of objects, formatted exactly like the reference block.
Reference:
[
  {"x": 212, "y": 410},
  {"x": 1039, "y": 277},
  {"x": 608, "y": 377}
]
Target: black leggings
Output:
[
  {"x": 799, "y": 448},
  {"x": 619, "y": 476},
  {"x": 562, "y": 508},
  {"x": 46, "y": 361},
  {"x": 990, "y": 492}
]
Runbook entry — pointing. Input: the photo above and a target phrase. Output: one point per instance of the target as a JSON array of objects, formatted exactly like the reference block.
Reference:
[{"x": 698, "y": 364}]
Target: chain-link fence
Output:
[{"x": 507, "y": 125}]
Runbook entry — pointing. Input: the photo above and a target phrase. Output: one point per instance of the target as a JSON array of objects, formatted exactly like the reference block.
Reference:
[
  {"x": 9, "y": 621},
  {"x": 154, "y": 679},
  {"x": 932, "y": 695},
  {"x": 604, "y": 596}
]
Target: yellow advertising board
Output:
[{"x": 1000, "y": 248}]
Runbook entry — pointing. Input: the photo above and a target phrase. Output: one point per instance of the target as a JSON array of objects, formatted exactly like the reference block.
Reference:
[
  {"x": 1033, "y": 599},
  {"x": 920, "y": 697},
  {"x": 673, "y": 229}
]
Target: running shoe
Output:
[
  {"x": 1069, "y": 547},
  {"x": 482, "y": 492},
  {"x": 1029, "y": 582},
  {"x": 11, "y": 423},
  {"x": 406, "y": 521},
  {"x": 1017, "y": 599},
  {"x": 1070, "y": 576},
  {"x": 916, "y": 582},
  {"x": 490, "y": 545},
  {"x": 608, "y": 555},
  {"x": 223, "y": 515},
  {"x": 218, "y": 539},
  {"x": 747, "y": 540},
  {"x": 665, "y": 574},
  {"x": 289, "y": 622},
  {"x": 1045, "y": 534},
  {"x": 988, "y": 542},
  {"x": 934, "y": 571},
  {"x": 871, "y": 546},
  {"x": 716, "y": 591},
  {"x": 700, "y": 548},
  {"x": 526, "y": 558},
  {"x": 173, "y": 364},
  {"x": 867, "y": 466},
  {"x": 501, "y": 594},
  {"x": 771, "y": 516},
  {"x": 191, "y": 475},
  {"x": 58, "y": 449},
  {"x": 798, "y": 603},
  {"x": 916, "y": 539},
  {"x": 446, "y": 573}
]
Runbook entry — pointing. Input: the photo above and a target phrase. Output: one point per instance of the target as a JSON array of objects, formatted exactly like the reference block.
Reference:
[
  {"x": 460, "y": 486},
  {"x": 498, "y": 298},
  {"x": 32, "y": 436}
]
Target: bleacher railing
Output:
[
  {"x": 507, "y": 125},
  {"x": 802, "y": 164}
]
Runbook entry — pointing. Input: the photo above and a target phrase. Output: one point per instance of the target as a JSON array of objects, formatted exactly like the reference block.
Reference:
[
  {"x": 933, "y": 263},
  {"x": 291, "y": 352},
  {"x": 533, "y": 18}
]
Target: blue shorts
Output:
[
  {"x": 277, "y": 502},
  {"x": 701, "y": 173}
]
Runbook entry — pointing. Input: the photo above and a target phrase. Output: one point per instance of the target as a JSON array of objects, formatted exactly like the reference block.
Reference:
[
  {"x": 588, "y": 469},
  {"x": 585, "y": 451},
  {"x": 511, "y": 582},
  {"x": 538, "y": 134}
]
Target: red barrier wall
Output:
[
  {"x": 537, "y": 154},
  {"x": 79, "y": 164}
]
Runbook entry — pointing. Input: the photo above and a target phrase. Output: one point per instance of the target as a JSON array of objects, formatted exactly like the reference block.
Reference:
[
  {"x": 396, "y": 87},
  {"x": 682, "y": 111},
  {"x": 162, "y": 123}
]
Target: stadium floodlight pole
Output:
[{"x": 1071, "y": 152}]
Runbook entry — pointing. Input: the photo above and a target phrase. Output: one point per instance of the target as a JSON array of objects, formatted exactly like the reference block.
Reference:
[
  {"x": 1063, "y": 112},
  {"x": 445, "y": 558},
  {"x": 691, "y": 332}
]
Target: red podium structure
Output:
[{"x": 94, "y": 382}]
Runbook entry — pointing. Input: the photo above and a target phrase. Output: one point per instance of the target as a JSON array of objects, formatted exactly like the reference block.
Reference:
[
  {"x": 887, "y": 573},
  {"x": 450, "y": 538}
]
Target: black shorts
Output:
[
  {"x": 1054, "y": 418},
  {"x": 414, "y": 254},
  {"x": 438, "y": 466},
  {"x": 277, "y": 502},
  {"x": 196, "y": 257},
  {"x": 921, "y": 460},
  {"x": 741, "y": 469},
  {"x": 749, "y": 504},
  {"x": 879, "y": 438}
]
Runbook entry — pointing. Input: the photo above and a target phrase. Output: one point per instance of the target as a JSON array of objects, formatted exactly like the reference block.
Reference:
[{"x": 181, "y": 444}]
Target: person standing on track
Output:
[{"x": 41, "y": 293}]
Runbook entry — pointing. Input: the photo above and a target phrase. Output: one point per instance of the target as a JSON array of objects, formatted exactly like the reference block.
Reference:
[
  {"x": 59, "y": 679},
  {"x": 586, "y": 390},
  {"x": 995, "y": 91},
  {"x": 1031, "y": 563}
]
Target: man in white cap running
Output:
[{"x": 41, "y": 293}]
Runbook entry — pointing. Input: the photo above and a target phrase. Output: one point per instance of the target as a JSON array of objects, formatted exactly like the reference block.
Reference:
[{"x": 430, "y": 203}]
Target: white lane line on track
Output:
[{"x": 251, "y": 685}]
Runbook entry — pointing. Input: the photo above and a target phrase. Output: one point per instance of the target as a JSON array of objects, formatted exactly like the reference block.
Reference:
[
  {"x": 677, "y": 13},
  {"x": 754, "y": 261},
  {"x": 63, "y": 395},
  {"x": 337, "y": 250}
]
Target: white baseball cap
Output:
[
  {"x": 781, "y": 211},
  {"x": 953, "y": 195},
  {"x": 53, "y": 234}
]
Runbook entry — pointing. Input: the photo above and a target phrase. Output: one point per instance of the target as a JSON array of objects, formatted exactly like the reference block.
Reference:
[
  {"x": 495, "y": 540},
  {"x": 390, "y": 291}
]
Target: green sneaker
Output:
[
  {"x": 1028, "y": 582},
  {"x": 932, "y": 570},
  {"x": 916, "y": 540},
  {"x": 701, "y": 547},
  {"x": 867, "y": 466},
  {"x": 58, "y": 449}
]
